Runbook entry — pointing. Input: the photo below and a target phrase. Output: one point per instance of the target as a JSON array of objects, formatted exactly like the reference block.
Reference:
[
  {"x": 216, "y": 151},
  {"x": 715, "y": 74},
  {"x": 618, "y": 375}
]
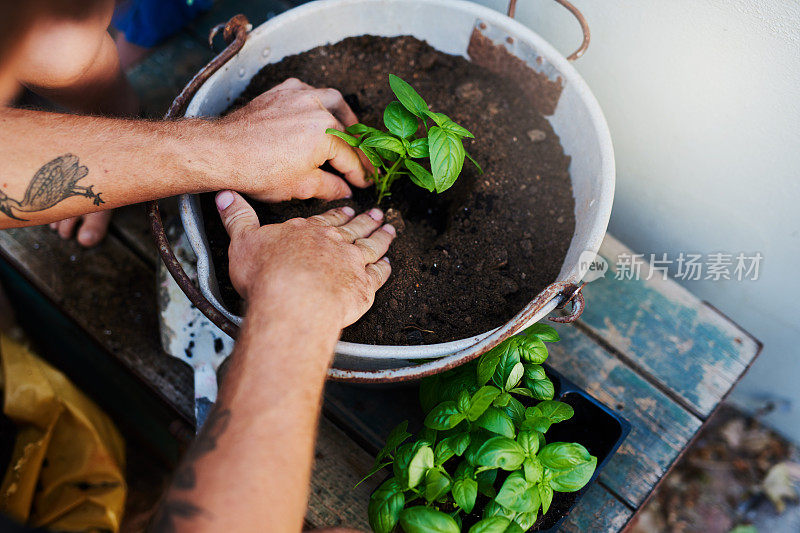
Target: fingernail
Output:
[
  {"x": 349, "y": 194},
  {"x": 53, "y": 225},
  {"x": 349, "y": 211},
  {"x": 86, "y": 236},
  {"x": 375, "y": 214},
  {"x": 388, "y": 228},
  {"x": 224, "y": 199},
  {"x": 386, "y": 258}
]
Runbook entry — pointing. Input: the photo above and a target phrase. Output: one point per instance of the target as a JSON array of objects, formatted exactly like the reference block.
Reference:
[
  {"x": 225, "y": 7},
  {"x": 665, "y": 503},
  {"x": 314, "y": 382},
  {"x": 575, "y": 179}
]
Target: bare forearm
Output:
[
  {"x": 249, "y": 469},
  {"x": 104, "y": 163}
]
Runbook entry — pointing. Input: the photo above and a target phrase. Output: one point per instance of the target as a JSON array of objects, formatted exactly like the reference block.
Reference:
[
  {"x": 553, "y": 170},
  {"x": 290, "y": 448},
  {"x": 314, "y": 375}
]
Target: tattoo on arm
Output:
[
  {"x": 185, "y": 479},
  {"x": 55, "y": 181}
]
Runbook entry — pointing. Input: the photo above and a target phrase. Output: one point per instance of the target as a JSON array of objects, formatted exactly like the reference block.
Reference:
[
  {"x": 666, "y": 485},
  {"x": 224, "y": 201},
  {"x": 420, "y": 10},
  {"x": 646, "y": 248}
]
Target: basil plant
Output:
[
  {"x": 393, "y": 153},
  {"x": 482, "y": 457}
]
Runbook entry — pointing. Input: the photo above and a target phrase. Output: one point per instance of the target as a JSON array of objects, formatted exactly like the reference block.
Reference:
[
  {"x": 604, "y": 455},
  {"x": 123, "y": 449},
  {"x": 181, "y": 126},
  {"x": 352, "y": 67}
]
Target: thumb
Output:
[
  {"x": 236, "y": 214},
  {"x": 329, "y": 186}
]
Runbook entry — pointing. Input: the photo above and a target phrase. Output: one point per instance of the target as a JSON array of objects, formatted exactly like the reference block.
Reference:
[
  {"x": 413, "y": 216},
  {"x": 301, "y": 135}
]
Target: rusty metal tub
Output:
[{"x": 451, "y": 26}]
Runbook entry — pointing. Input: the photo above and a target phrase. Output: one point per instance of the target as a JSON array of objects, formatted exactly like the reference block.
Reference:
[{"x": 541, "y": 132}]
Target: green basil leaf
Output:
[
  {"x": 480, "y": 170},
  {"x": 525, "y": 521},
  {"x": 570, "y": 466},
  {"x": 436, "y": 485},
  {"x": 522, "y": 391},
  {"x": 482, "y": 399},
  {"x": 515, "y": 410},
  {"x": 458, "y": 443},
  {"x": 534, "y": 372},
  {"x": 529, "y": 440},
  {"x": 420, "y": 175},
  {"x": 443, "y": 452},
  {"x": 395, "y": 438},
  {"x": 410, "y": 99},
  {"x": 509, "y": 358},
  {"x": 533, "y": 469},
  {"x": 544, "y": 332},
  {"x": 376, "y": 467},
  {"x": 388, "y": 155},
  {"x": 488, "y": 363},
  {"x": 384, "y": 141},
  {"x": 495, "y": 509},
  {"x": 532, "y": 349},
  {"x": 426, "y": 436},
  {"x": 514, "y": 377},
  {"x": 518, "y": 495},
  {"x": 462, "y": 402},
  {"x": 465, "y": 488},
  {"x": 402, "y": 457},
  {"x": 486, "y": 481},
  {"x": 502, "y": 400},
  {"x": 546, "y": 496},
  {"x": 434, "y": 390},
  {"x": 500, "y": 452},
  {"x": 513, "y": 527},
  {"x": 361, "y": 129},
  {"x": 419, "y": 148},
  {"x": 478, "y": 437},
  {"x": 447, "y": 124},
  {"x": 349, "y": 139},
  {"x": 536, "y": 423},
  {"x": 422, "y": 519},
  {"x": 494, "y": 524},
  {"x": 372, "y": 155},
  {"x": 496, "y": 421},
  {"x": 575, "y": 478},
  {"x": 400, "y": 120},
  {"x": 542, "y": 389},
  {"x": 385, "y": 505},
  {"x": 554, "y": 410},
  {"x": 446, "y": 156},
  {"x": 444, "y": 416},
  {"x": 420, "y": 463}
]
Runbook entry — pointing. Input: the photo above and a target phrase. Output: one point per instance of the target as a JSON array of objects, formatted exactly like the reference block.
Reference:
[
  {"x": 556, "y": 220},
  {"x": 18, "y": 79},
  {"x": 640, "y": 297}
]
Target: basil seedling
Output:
[
  {"x": 393, "y": 153},
  {"x": 481, "y": 441}
]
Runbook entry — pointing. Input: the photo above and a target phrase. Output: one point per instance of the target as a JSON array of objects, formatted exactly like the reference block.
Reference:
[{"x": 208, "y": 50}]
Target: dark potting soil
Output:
[{"x": 472, "y": 257}]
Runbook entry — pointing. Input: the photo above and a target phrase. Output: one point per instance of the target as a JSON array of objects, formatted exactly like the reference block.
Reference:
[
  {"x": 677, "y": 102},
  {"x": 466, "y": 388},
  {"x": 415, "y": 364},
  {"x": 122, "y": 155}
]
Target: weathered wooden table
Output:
[{"x": 647, "y": 348}]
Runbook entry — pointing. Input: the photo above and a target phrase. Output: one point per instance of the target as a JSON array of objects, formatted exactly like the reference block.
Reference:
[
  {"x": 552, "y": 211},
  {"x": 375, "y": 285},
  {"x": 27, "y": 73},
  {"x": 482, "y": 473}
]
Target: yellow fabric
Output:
[{"x": 66, "y": 446}]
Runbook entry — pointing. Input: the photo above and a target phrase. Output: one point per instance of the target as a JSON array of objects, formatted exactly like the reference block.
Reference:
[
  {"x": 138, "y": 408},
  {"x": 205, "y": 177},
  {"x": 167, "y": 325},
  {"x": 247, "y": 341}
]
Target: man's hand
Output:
[
  {"x": 331, "y": 263},
  {"x": 279, "y": 142}
]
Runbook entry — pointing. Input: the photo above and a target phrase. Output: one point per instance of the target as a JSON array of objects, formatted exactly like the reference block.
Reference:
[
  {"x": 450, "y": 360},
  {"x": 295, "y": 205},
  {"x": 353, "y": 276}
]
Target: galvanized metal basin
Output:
[{"x": 447, "y": 26}]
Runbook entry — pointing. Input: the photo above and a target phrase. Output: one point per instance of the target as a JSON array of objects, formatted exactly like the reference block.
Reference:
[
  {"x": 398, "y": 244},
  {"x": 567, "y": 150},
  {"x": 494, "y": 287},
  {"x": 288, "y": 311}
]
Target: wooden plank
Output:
[
  {"x": 661, "y": 328},
  {"x": 131, "y": 227},
  {"x": 660, "y": 427},
  {"x": 161, "y": 76},
  {"x": 339, "y": 464},
  {"x": 598, "y": 510},
  {"x": 110, "y": 293}
]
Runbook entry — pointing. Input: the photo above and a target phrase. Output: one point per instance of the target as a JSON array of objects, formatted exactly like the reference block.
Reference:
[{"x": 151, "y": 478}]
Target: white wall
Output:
[{"x": 703, "y": 101}]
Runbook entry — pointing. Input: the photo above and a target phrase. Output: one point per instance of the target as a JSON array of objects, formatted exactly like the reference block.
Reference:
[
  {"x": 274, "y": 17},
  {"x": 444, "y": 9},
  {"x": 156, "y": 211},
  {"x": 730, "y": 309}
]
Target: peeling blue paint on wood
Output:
[
  {"x": 660, "y": 427},
  {"x": 598, "y": 510},
  {"x": 681, "y": 342}
]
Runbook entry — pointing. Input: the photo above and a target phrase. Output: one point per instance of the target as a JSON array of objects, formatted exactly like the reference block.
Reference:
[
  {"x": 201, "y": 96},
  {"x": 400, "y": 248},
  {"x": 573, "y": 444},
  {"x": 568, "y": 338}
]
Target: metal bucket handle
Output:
[
  {"x": 235, "y": 32},
  {"x": 512, "y": 8}
]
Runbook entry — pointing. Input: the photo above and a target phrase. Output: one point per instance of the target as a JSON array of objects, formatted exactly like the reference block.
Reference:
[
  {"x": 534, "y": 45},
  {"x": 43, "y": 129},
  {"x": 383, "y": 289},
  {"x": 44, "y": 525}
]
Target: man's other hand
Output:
[
  {"x": 277, "y": 144},
  {"x": 330, "y": 263}
]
